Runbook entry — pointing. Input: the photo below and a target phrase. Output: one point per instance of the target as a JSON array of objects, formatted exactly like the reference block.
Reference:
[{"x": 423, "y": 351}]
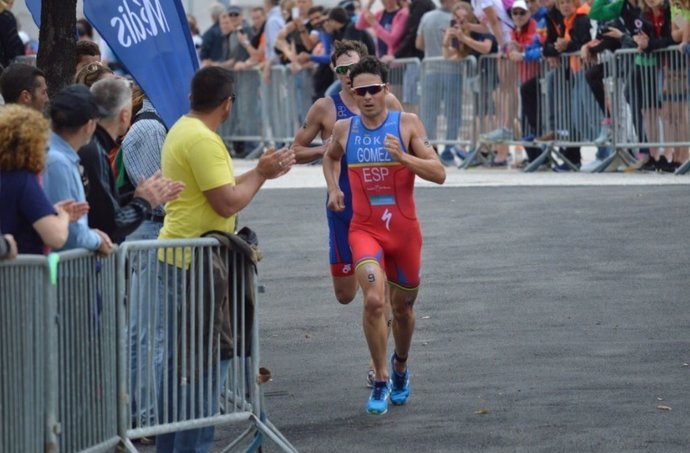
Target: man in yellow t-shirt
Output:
[{"x": 194, "y": 154}]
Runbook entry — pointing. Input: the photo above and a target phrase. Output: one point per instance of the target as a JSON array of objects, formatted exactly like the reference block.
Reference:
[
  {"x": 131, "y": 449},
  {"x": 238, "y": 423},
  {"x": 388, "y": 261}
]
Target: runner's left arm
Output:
[{"x": 421, "y": 158}]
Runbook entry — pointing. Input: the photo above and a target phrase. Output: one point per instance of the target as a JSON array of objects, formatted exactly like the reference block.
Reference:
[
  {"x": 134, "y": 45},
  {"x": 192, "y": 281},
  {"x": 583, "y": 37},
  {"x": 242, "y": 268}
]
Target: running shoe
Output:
[
  {"x": 400, "y": 385},
  {"x": 378, "y": 400}
]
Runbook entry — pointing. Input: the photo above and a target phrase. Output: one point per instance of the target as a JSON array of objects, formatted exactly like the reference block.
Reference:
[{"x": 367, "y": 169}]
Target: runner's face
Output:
[
  {"x": 370, "y": 105},
  {"x": 347, "y": 59}
]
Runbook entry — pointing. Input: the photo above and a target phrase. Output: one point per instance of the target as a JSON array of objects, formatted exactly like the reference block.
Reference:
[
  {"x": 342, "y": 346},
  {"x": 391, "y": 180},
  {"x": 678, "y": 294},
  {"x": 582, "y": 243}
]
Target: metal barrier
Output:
[
  {"x": 448, "y": 101},
  {"x": 190, "y": 342},
  {"x": 404, "y": 75},
  {"x": 100, "y": 351},
  {"x": 25, "y": 423},
  {"x": 651, "y": 101},
  {"x": 59, "y": 342},
  {"x": 86, "y": 346}
]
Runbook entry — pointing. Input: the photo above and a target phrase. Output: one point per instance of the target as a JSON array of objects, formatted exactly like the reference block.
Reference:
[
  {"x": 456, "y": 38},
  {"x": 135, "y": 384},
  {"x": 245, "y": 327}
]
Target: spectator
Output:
[
  {"x": 529, "y": 89},
  {"x": 407, "y": 47},
  {"x": 460, "y": 42},
  {"x": 141, "y": 156},
  {"x": 296, "y": 37},
  {"x": 522, "y": 40},
  {"x": 196, "y": 36},
  {"x": 274, "y": 23},
  {"x": 569, "y": 35},
  {"x": 195, "y": 154},
  {"x": 234, "y": 32},
  {"x": 25, "y": 211},
  {"x": 84, "y": 30},
  {"x": 388, "y": 25},
  {"x": 87, "y": 52},
  {"x": 73, "y": 114},
  {"x": 212, "y": 39},
  {"x": 439, "y": 81},
  {"x": 254, "y": 45},
  {"x": 92, "y": 73},
  {"x": 11, "y": 45},
  {"x": 654, "y": 31},
  {"x": 114, "y": 97},
  {"x": 26, "y": 85}
]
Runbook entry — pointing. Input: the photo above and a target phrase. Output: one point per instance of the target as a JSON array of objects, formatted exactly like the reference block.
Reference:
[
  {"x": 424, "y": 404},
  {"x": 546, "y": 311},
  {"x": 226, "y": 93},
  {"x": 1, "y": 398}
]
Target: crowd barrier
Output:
[
  {"x": 545, "y": 106},
  {"x": 161, "y": 336}
]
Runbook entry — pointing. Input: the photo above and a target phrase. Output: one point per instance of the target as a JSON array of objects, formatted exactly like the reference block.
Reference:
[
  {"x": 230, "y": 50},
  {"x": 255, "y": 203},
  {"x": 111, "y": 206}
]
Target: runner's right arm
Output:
[
  {"x": 331, "y": 165},
  {"x": 312, "y": 126}
]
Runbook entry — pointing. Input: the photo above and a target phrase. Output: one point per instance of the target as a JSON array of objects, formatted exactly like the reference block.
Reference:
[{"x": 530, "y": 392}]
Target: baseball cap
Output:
[
  {"x": 519, "y": 4},
  {"x": 74, "y": 106},
  {"x": 234, "y": 9}
]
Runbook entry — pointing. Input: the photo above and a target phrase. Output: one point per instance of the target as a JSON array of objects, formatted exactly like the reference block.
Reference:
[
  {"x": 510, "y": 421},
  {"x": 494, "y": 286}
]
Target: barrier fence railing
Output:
[
  {"x": 650, "y": 102},
  {"x": 551, "y": 107},
  {"x": 162, "y": 336},
  {"x": 28, "y": 421}
]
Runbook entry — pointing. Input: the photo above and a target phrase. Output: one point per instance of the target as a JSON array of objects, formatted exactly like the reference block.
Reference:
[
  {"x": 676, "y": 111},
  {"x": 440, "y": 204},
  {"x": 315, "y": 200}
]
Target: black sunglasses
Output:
[
  {"x": 518, "y": 12},
  {"x": 233, "y": 96},
  {"x": 343, "y": 69},
  {"x": 371, "y": 89},
  {"x": 234, "y": 14}
]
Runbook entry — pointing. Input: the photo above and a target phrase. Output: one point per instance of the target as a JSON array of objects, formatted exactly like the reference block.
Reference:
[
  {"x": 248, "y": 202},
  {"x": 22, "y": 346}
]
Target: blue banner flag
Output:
[
  {"x": 151, "y": 38},
  {"x": 34, "y": 7}
]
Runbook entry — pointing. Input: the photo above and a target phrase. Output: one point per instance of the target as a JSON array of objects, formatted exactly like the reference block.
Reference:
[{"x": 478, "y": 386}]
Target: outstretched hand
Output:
[
  {"x": 275, "y": 163},
  {"x": 158, "y": 190},
  {"x": 75, "y": 210}
]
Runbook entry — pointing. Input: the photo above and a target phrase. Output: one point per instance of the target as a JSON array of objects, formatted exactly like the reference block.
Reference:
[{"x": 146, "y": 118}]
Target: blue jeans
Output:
[
  {"x": 197, "y": 440},
  {"x": 141, "y": 307}
]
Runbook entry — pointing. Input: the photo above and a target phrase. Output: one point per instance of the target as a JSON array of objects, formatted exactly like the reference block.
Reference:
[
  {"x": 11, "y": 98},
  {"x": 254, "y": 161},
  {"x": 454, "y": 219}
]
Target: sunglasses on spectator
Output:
[
  {"x": 233, "y": 96},
  {"x": 371, "y": 89},
  {"x": 234, "y": 14},
  {"x": 518, "y": 12},
  {"x": 343, "y": 69}
]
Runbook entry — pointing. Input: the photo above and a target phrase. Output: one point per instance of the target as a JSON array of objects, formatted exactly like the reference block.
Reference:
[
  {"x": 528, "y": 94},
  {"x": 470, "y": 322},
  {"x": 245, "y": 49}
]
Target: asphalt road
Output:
[{"x": 551, "y": 319}]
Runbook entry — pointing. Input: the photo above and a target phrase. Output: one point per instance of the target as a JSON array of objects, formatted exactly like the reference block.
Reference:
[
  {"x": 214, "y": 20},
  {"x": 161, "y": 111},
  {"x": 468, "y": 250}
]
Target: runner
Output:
[
  {"x": 384, "y": 150},
  {"x": 320, "y": 120}
]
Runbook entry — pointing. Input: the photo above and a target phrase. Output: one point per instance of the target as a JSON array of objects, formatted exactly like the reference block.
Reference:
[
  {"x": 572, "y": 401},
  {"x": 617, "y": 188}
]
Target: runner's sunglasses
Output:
[
  {"x": 371, "y": 89},
  {"x": 344, "y": 69}
]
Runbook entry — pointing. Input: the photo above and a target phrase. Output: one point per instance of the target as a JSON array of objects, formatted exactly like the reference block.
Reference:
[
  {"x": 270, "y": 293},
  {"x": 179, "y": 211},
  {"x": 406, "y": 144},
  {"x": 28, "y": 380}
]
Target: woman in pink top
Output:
[{"x": 388, "y": 24}]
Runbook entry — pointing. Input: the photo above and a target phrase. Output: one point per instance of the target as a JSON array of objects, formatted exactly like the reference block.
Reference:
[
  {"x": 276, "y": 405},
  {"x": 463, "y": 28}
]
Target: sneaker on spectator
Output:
[
  {"x": 564, "y": 168},
  {"x": 604, "y": 133},
  {"x": 371, "y": 378},
  {"x": 447, "y": 158},
  {"x": 498, "y": 135},
  {"x": 529, "y": 138},
  {"x": 400, "y": 385},
  {"x": 664, "y": 166},
  {"x": 649, "y": 165},
  {"x": 378, "y": 400},
  {"x": 591, "y": 166}
]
